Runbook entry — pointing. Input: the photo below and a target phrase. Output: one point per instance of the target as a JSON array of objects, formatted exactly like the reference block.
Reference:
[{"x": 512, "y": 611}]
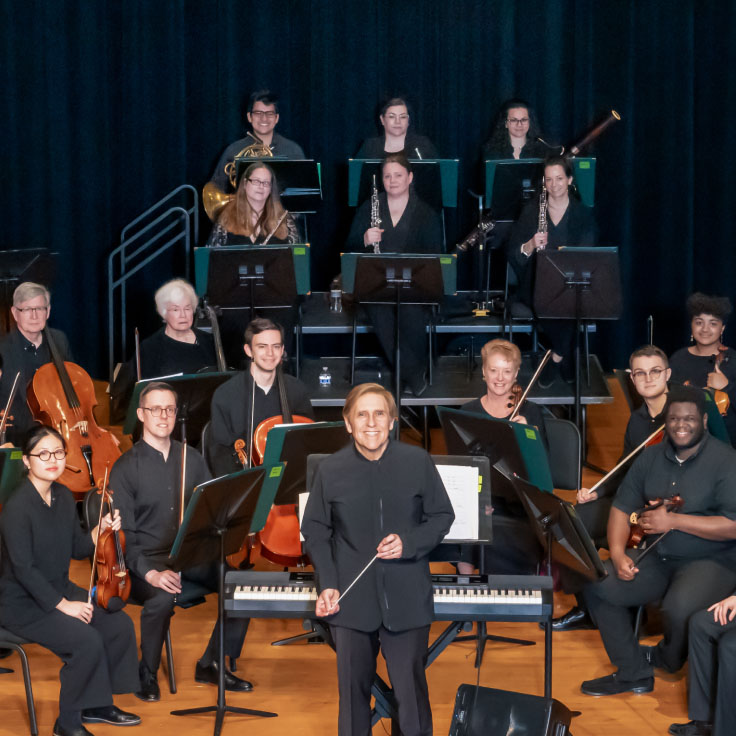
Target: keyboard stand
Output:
[{"x": 313, "y": 636}]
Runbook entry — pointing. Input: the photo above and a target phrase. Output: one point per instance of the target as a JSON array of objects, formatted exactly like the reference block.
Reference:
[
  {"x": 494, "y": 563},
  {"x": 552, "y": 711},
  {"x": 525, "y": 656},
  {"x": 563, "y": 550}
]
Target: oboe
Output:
[
  {"x": 375, "y": 219},
  {"x": 542, "y": 222}
]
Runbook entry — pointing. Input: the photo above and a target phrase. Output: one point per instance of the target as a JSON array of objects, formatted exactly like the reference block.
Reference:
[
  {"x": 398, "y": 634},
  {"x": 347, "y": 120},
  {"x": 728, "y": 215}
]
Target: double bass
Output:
[{"x": 62, "y": 395}]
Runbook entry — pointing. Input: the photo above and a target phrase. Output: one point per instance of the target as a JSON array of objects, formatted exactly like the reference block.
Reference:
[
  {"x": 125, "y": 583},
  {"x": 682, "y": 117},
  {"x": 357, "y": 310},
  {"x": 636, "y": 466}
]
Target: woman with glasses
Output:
[
  {"x": 41, "y": 534},
  {"x": 255, "y": 215},
  {"x": 516, "y": 133},
  {"x": 567, "y": 223},
  {"x": 407, "y": 225},
  {"x": 707, "y": 362},
  {"x": 394, "y": 118}
]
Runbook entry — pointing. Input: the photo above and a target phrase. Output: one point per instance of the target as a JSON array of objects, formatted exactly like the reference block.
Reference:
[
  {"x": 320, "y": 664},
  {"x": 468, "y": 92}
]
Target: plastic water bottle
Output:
[{"x": 325, "y": 377}]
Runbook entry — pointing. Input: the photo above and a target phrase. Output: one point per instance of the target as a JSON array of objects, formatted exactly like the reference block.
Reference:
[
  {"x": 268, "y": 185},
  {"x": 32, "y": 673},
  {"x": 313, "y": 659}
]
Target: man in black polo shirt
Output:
[
  {"x": 694, "y": 562},
  {"x": 25, "y": 350},
  {"x": 147, "y": 482},
  {"x": 649, "y": 371}
]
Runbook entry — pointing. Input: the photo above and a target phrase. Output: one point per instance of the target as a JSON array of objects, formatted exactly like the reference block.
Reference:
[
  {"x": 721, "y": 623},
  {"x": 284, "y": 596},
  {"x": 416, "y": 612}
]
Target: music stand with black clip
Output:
[
  {"x": 219, "y": 516},
  {"x": 578, "y": 284},
  {"x": 564, "y": 539}
]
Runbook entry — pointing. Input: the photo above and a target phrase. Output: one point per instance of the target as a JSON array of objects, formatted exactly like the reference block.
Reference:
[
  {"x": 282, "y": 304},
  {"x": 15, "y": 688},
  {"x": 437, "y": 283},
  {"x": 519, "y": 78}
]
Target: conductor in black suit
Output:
[{"x": 377, "y": 497}]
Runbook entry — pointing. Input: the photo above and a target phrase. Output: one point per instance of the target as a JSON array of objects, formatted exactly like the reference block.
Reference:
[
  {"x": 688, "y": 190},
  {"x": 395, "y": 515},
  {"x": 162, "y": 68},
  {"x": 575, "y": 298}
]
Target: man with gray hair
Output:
[{"x": 24, "y": 349}]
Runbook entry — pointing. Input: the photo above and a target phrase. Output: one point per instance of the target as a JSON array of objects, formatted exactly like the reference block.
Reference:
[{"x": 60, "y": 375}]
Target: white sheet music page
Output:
[{"x": 461, "y": 484}]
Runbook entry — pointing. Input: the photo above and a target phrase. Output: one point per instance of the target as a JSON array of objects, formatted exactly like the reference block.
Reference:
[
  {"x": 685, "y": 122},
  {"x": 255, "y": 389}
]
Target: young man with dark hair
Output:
[
  {"x": 262, "y": 116},
  {"x": 243, "y": 402}
]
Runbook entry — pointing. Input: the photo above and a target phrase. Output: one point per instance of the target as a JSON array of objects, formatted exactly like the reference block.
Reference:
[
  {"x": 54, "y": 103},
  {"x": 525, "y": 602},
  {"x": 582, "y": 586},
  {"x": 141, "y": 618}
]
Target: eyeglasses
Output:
[
  {"x": 517, "y": 121},
  {"x": 157, "y": 411},
  {"x": 45, "y": 455},
  {"x": 262, "y": 183},
  {"x": 268, "y": 114},
  {"x": 34, "y": 311},
  {"x": 654, "y": 374}
]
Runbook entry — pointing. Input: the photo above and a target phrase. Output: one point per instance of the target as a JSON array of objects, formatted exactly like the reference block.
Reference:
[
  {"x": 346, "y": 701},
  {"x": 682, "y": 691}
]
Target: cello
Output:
[
  {"x": 280, "y": 540},
  {"x": 62, "y": 395}
]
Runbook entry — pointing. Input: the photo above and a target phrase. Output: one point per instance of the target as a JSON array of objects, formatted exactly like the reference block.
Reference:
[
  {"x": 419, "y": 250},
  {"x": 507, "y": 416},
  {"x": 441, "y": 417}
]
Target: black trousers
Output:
[
  {"x": 99, "y": 657},
  {"x": 405, "y": 653},
  {"x": 158, "y": 608},
  {"x": 684, "y": 587},
  {"x": 413, "y": 346},
  {"x": 712, "y": 673}
]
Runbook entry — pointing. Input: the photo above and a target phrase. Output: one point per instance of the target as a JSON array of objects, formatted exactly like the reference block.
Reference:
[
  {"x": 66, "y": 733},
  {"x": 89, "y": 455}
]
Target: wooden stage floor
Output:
[{"x": 299, "y": 681}]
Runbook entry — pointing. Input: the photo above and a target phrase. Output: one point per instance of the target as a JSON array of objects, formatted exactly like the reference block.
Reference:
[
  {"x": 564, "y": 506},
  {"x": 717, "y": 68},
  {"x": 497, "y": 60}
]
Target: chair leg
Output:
[
  {"x": 29, "y": 688},
  {"x": 170, "y": 662}
]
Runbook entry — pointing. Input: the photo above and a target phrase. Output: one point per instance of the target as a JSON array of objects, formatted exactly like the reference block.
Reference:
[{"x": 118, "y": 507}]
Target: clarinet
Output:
[
  {"x": 375, "y": 219},
  {"x": 542, "y": 222}
]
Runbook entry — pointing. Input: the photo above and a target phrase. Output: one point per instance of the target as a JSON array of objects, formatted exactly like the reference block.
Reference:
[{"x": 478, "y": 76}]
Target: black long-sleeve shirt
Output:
[
  {"x": 419, "y": 230},
  {"x": 19, "y": 354},
  {"x": 231, "y": 414},
  {"x": 38, "y": 543},
  {"x": 146, "y": 492},
  {"x": 374, "y": 147},
  {"x": 707, "y": 483},
  {"x": 353, "y": 504},
  {"x": 530, "y": 411}
]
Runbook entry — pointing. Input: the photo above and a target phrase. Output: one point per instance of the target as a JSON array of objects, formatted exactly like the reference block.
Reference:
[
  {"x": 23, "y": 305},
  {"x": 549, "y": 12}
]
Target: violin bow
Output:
[
  {"x": 530, "y": 385},
  {"x": 627, "y": 458},
  {"x": 6, "y": 413},
  {"x": 137, "y": 354},
  {"x": 97, "y": 541}
]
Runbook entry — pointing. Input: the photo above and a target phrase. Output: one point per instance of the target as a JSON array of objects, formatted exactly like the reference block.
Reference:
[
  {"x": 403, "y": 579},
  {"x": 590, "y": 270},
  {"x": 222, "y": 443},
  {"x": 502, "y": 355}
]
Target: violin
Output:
[
  {"x": 721, "y": 397},
  {"x": 113, "y": 578},
  {"x": 62, "y": 395},
  {"x": 636, "y": 533}
]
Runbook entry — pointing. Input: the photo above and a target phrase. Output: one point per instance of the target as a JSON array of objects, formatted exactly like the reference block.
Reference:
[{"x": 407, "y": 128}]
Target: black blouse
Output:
[
  {"x": 38, "y": 543},
  {"x": 374, "y": 147},
  {"x": 418, "y": 231}
]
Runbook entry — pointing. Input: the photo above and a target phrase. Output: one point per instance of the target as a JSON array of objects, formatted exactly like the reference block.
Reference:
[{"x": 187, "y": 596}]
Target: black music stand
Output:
[
  {"x": 397, "y": 279},
  {"x": 194, "y": 391},
  {"x": 218, "y": 518},
  {"x": 578, "y": 284},
  {"x": 559, "y": 530},
  {"x": 261, "y": 277},
  {"x": 17, "y": 266}
]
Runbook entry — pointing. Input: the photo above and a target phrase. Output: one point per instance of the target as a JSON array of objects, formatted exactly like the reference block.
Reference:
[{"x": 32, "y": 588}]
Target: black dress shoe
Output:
[
  {"x": 150, "y": 691},
  {"x": 613, "y": 685},
  {"x": 210, "y": 675},
  {"x": 693, "y": 728},
  {"x": 60, "y": 731},
  {"x": 575, "y": 619},
  {"x": 110, "y": 714}
]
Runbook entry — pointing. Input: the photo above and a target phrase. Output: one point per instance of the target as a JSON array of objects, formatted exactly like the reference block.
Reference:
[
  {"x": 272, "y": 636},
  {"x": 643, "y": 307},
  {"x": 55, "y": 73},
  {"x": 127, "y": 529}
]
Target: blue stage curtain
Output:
[{"x": 107, "y": 106}]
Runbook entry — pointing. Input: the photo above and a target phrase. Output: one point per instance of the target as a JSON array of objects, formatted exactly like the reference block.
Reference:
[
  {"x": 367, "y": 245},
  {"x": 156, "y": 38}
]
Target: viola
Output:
[
  {"x": 721, "y": 397},
  {"x": 520, "y": 399},
  {"x": 113, "y": 578},
  {"x": 62, "y": 396},
  {"x": 636, "y": 533}
]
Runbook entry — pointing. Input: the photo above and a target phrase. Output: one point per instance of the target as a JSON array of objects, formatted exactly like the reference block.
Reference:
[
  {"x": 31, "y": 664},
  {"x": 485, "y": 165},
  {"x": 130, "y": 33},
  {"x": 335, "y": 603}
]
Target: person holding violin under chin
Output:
[
  {"x": 515, "y": 549},
  {"x": 707, "y": 362},
  {"x": 690, "y": 553},
  {"x": 41, "y": 533}
]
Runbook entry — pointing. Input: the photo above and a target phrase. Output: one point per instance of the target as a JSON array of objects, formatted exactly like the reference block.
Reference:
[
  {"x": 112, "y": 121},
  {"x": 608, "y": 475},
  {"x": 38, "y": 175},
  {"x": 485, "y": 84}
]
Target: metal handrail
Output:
[{"x": 140, "y": 244}]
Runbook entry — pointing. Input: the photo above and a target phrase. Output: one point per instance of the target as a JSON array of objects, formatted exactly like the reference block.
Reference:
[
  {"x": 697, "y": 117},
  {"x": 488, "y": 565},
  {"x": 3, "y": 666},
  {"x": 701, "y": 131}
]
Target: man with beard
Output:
[{"x": 694, "y": 562}]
